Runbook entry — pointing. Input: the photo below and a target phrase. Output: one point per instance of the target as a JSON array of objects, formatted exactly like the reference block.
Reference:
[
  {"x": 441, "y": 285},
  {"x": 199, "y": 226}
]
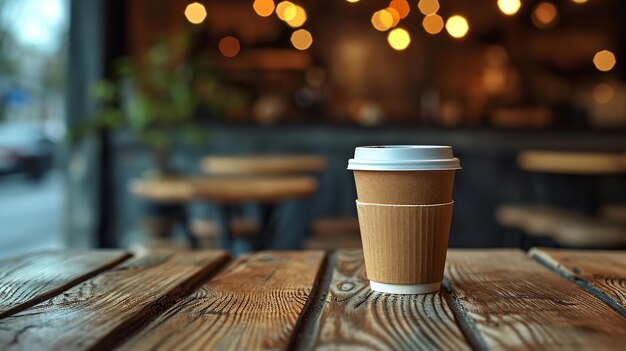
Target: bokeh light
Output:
[
  {"x": 509, "y": 7},
  {"x": 298, "y": 19},
  {"x": 433, "y": 24},
  {"x": 399, "y": 39},
  {"x": 286, "y": 10},
  {"x": 603, "y": 93},
  {"x": 545, "y": 15},
  {"x": 580, "y": 1},
  {"x": 382, "y": 20},
  {"x": 195, "y": 13},
  {"x": 301, "y": 39},
  {"x": 428, "y": 7},
  {"x": 604, "y": 60},
  {"x": 457, "y": 26},
  {"x": 229, "y": 46},
  {"x": 402, "y": 6},
  {"x": 263, "y": 8},
  {"x": 395, "y": 15},
  {"x": 352, "y": 1}
]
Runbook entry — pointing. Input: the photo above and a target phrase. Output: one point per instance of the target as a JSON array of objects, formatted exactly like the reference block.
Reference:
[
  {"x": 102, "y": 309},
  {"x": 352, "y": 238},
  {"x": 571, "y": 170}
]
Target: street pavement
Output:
[{"x": 31, "y": 213}]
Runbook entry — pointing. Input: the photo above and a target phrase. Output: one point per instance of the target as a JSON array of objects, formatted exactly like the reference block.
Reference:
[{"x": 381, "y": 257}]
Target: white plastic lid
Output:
[{"x": 403, "y": 158}]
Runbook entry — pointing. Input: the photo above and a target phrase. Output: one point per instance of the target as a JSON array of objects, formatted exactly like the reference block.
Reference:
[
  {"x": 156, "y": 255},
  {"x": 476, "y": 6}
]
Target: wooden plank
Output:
[
  {"x": 350, "y": 316},
  {"x": 518, "y": 304},
  {"x": 602, "y": 273},
  {"x": 29, "y": 279},
  {"x": 97, "y": 313},
  {"x": 253, "y": 304}
]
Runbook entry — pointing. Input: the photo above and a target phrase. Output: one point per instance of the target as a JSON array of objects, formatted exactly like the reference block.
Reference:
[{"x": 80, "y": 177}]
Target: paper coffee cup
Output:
[{"x": 405, "y": 210}]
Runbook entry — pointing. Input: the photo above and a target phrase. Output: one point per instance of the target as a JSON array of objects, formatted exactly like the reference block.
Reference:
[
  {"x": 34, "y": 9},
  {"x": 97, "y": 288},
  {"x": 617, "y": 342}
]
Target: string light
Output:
[
  {"x": 457, "y": 26},
  {"x": 545, "y": 15},
  {"x": 402, "y": 6},
  {"x": 433, "y": 24},
  {"x": 603, "y": 93},
  {"x": 509, "y": 7},
  {"x": 263, "y": 8},
  {"x": 395, "y": 15},
  {"x": 286, "y": 10},
  {"x": 428, "y": 7},
  {"x": 229, "y": 46},
  {"x": 399, "y": 39},
  {"x": 604, "y": 60},
  {"x": 298, "y": 19},
  {"x": 195, "y": 13},
  {"x": 301, "y": 39},
  {"x": 382, "y": 20}
]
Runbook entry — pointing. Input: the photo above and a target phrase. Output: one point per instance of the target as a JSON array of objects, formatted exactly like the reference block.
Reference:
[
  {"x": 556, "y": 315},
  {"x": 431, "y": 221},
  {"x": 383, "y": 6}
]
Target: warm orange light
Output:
[
  {"x": 545, "y": 15},
  {"x": 352, "y": 1},
  {"x": 298, "y": 19},
  {"x": 433, "y": 24},
  {"x": 382, "y": 20},
  {"x": 603, "y": 93},
  {"x": 428, "y": 7},
  {"x": 402, "y": 6},
  {"x": 457, "y": 26},
  {"x": 395, "y": 15},
  {"x": 286, "y": 10},
  {"x": 399, "y": 39},
  {"x": 509, "y": 7},
  {"x": 229, "y": 46},
  {"x": 301, "y": 39},
  {"x": 580, "y": 1},
  {"x": 263, "y": 8},
  {"x": 195, "y": 13},
  {"x": 604, "y": 60}
]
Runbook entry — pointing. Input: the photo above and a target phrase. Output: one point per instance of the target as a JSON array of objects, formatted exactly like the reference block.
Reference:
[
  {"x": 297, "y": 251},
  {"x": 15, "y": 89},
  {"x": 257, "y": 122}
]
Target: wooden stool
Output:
[
  {"x": 251, "y": 167},
  {"x": 262, "y": 165},
  {"x": 227, "y": 192}
]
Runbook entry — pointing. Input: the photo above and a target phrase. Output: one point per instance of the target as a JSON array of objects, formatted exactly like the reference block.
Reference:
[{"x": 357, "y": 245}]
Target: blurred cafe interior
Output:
[{"x": 213, "y": 123}]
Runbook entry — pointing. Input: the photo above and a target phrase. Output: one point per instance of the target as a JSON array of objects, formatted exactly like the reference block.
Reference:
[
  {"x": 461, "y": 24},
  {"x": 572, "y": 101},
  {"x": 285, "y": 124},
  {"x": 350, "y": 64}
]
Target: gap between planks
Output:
[
  {"x": 345, "y": 313},
  {"x": 47, "y": 274},
  {"x": 100, "y": 311},
  {"x": 543, "y": 258}
]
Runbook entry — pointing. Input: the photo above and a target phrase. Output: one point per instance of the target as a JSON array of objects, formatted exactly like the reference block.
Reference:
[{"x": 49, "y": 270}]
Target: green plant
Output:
[{"x": 157, "y": 98}]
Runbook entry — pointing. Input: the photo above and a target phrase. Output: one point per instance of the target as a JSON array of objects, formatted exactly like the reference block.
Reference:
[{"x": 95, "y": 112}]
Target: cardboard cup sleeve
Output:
[{"x": 405, "y": 244}]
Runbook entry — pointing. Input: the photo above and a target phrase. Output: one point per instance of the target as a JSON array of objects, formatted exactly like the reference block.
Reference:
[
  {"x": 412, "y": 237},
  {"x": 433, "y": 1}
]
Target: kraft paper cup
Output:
[
  {"x": 405, "y": 246},
  {"x": 405, "y": 209}
]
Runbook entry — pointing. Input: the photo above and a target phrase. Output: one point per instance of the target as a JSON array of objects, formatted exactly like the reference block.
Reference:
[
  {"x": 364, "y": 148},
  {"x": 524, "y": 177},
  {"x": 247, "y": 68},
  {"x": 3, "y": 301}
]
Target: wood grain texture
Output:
[
  {"x": 253, "y": 304},
  {"x": 351, "y": 316},
  {"x": 518, "y": 304},
  {"x": 98, "y": 312},
  {"x": 29, "y": 279},
  {"x": 597, "y": 271}
]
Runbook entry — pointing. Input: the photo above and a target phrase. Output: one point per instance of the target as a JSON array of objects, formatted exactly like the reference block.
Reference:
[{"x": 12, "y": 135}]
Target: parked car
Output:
[{"x": 24, "y": 148}]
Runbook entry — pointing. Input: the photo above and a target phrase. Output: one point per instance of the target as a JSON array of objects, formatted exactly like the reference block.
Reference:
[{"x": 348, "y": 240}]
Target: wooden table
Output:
[
  {"x": 192, "y": 300},
  {"x": 225, "y": 193}
]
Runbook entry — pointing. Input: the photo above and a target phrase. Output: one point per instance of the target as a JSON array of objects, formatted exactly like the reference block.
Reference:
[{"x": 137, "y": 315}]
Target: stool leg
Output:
[
  {"x": 225, "y": 239},
  {"x": 183, "y": 219},
  {"x": 263, "y": 240}
]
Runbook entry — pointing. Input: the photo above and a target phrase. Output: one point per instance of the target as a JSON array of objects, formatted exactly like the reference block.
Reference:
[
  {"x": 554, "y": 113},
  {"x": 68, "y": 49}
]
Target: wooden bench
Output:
[
  {"x": 566, "y": 228},
  {"x": 308, "y": 300},
  {"x": 572, "y": 162}
]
